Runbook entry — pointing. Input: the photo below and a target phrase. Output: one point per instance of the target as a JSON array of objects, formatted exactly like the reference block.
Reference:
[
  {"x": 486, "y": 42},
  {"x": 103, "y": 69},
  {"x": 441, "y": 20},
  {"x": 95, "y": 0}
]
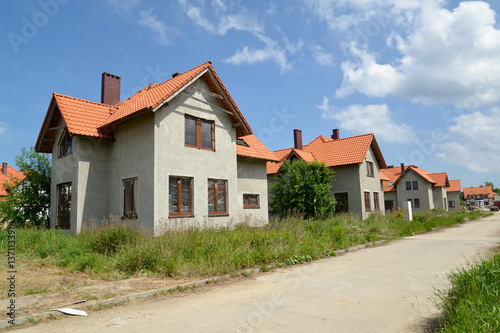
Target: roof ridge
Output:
[{"x": 80, "y": 99}]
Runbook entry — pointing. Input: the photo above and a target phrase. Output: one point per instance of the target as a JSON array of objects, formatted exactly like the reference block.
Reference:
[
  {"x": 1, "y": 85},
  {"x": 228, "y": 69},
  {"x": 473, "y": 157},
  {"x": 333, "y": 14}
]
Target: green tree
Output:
[
  {"x": 28, "y": 201},
  {"x": 496, "y": 190},
  {"x": 303, "y": 187}
]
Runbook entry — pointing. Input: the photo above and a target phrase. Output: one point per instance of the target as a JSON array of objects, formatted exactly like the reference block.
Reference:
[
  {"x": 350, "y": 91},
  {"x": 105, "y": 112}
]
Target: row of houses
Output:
[
  {"x": 181, "y": 153},
  {"x": 364, "y": 183}
]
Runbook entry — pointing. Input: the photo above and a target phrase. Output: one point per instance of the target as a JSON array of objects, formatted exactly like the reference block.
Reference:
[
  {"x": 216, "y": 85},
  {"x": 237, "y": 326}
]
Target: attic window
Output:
[
  {"x": 65, "y": 144},
  {"x": 240, "y": 142},
  {"x": 390, "y": 184},
  {"x": 199, "y": 133}
]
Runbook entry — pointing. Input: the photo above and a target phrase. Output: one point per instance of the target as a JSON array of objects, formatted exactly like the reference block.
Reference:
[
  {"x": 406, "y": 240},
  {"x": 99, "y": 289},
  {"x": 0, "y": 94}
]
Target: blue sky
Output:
[{"x": 424, "y": 76}]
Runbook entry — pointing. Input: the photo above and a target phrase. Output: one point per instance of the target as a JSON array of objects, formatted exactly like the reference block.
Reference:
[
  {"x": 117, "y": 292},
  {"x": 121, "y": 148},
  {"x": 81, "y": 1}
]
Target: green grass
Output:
[
  {"x": 472, "y": 304},
  {"x": 116, "y": 253}
]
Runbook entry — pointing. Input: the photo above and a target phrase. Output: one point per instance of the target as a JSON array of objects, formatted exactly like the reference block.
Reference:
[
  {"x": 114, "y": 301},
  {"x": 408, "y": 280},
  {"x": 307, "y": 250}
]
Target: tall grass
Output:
[
  {"x": 472, "y": 304},
  {"x": 116, "y": 253}
]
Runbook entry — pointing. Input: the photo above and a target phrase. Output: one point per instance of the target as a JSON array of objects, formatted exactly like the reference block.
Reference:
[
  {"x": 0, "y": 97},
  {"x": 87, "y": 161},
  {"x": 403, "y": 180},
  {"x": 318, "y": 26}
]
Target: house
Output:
[
  {"x": 479, "y": 196},
  {"x": 356, "y": 160},
  {"x": 174, "y": 155},
  {"x": 453, "y": 193},
  {"x": 9, "y": 176},
  {"x": 422, "y": 189}
]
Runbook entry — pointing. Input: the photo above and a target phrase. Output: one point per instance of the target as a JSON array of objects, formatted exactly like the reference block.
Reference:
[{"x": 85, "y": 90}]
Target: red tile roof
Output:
[
  {"x": 12, "y": 176},
  {"x": 255, "y": 149},
  {"x": 83, "y": 117},
  {"x": 478, "y": 191},
  {"x": 91, "y": 119},
  {"x": 333, "y": 153},
  {"x": 441, "y": 179},
  {"x": 394, "y": 174},
  {"x": 455, "y": 186}
]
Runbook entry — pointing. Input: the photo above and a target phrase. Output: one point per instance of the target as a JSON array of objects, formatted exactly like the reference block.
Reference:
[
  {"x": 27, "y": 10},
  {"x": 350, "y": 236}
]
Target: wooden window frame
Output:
[
  {"x": 369, "y": 169},
  {"x": 248, "y": 202},
  {"x": 408, "y": 186},
  {"x": 65, "y": 144},
  {"x": 217, "y": 212},
  {"x": 368, "y": 207},
  {"x": 131, "y": 214},
  {"x": 179, "y": 212},
  {"x": 199, "y": 133},
  {"x": 376, "y": 201},
  {"x": 60, "y": 209},
  {"x": 414, "y": 185}
]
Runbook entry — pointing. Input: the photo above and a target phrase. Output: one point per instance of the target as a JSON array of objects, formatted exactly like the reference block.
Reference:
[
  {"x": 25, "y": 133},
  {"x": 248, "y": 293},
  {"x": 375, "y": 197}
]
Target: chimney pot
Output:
[
  {"x": 110, "y": 89},
  {"x": 335, "y": 134},
  {"x": 402, "y": 167},
  {"x": 297, "y": 138},
  {"x": 4, "y": 168}
]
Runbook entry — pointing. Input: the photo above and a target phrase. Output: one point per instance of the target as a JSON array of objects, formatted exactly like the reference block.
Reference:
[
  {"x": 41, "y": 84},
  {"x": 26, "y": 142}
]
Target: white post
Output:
[{"x": 410, "y": 213}]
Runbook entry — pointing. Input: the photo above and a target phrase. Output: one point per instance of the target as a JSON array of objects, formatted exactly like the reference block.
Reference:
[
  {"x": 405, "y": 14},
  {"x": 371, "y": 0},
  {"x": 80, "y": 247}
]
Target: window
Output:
[
  {"x": 408, "y": 186},
  {"x": 251, "y": 201},
  {"x": 180, "y": 196},
  {"x": 411, "y": 203},
  {"x": 217, "y": 197},
  {"x": 342, "y": 202},
  {"x": 63, "y": 206},
  {"x": 369, "y": 169},
  {"x": 415, "y": 185},
  {"x": 389, "y": 206},
  {"x": 199, "y": 133},
  {"x": 376, "y": 204},
  {"x": 390, "y": 184},
  {"x": 367, "y": 202},
  {"x": 451, "y": 203},
  {"x": 416, "y": 202},
  {"x": 129, "y": 198},
  {"x": 66, "y": 144}
]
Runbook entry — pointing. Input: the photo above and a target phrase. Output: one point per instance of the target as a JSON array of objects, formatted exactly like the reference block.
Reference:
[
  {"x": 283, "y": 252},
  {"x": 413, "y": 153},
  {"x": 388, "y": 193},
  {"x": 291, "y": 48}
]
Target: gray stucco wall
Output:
[
  {"x": 455, "y": 196},
  {"x": 439, "y": 195},
  {"x": 371, "y": 184},
  {"x": 252, "y": 179}
]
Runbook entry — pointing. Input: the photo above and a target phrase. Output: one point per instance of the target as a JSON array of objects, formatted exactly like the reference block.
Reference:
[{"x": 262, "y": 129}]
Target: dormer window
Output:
[{"x": 66, "y": 144}]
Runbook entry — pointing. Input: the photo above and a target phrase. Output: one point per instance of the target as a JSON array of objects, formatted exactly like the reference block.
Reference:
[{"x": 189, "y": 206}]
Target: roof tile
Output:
[{"x": 255, "y": 149}]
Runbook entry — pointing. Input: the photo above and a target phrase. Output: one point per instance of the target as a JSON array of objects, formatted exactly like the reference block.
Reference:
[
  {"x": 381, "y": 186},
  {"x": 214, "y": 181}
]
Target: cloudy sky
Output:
[{"x": 424, "y": 76}]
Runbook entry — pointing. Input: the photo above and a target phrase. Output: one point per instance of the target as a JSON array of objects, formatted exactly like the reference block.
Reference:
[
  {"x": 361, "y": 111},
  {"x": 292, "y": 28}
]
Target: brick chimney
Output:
[
  {"x": 110, "y": 89},
  {"x": 4, "y": 168},
  {"x": 335, "y": 134},
  {"x": 297, "y": 139},
  {"x": 402, "y": 167}
]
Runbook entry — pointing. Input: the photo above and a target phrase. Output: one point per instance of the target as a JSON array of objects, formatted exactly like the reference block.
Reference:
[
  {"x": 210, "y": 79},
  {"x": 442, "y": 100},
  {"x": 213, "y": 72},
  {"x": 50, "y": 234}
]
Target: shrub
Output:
[{"x": 303, "y": 187}]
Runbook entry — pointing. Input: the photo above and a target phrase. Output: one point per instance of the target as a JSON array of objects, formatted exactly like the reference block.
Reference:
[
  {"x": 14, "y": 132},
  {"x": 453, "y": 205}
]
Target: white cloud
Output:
[
  {"x": 321, "y": 56},
  {"x": 149, "y": 20},
  {"x": 3, "y": 127},
  {"x": 124, "y": 7},
  {"x": 448, "y": 56},
  {"x": 362, "y": 119},
  {"x": 225, "y": 17},
  {"x": 271, "y": 51},
  {"x": 475, "y": 142}
]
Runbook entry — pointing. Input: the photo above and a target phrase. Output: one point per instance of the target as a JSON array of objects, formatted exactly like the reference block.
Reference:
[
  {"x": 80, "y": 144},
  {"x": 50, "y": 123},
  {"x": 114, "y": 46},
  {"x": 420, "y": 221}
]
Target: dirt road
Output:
[{"x": 381, "y": 289}]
